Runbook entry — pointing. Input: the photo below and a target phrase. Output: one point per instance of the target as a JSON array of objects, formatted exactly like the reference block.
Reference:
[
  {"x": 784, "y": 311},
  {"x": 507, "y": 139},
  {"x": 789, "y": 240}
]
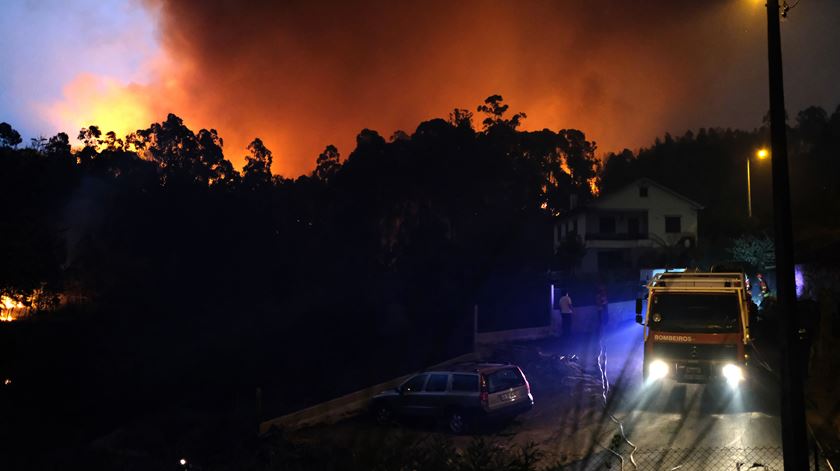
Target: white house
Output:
[{"x": 617, "y": 229}]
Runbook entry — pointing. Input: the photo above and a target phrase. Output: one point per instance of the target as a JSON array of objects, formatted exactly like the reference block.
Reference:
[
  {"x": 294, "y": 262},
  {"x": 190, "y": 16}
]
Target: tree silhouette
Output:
[
  {"x": 212, "y": 158},
  {"x": 495, "y": 111},
  {"x": 417, "y": 228},
  {"x": 8, "y": 136},
  {"x": 812, "y": 122},
  {"x": 58, "y": 146},
  {"x": 112, "y": 142},
  {"x": 257, "y": 170},
  {"x": 327, "y": 164},
  {"x": 399, "y": 135},
  {"x": 38, "y": 144},
  {"x": 90, "y": 136},
  {"x": 461, "y": 118}
]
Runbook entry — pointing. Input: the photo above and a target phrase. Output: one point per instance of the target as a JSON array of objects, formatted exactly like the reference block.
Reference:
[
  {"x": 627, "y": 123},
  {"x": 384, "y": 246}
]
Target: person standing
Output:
[{"x": 566, "y": 311}]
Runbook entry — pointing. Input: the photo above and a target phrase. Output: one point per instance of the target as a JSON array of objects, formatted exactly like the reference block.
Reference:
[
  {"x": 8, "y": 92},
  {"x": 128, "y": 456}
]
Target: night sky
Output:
[{"x": 302, "y": 75}]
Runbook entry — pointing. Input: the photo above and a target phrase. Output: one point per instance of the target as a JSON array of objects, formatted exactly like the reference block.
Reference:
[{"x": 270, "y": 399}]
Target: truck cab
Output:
[{"x": 696, "y": 328}]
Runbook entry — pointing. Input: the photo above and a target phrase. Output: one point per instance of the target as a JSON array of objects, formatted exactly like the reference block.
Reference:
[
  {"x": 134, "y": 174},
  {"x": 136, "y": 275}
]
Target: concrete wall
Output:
[
  {"x": 585, "y": 318},
  {"x": 513, "y": 335}
]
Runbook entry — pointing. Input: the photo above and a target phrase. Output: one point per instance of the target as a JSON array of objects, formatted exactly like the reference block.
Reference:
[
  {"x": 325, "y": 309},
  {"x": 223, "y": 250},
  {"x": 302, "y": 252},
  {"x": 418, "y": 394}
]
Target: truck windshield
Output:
[{"x": 690, "y": 312}]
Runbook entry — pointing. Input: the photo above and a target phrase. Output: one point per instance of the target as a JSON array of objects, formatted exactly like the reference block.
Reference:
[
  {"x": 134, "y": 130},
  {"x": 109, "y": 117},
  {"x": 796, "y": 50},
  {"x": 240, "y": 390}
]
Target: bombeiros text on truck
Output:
[{"x": 696, "y": 327}]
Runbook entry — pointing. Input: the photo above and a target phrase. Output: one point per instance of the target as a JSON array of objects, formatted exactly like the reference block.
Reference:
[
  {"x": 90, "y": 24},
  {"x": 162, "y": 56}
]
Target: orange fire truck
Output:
[{"x": 696, "y": 327}]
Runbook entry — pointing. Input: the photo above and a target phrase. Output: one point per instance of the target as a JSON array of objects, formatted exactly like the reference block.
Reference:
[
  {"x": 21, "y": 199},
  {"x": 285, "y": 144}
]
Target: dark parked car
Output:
[{"x": 461, "y": 394}]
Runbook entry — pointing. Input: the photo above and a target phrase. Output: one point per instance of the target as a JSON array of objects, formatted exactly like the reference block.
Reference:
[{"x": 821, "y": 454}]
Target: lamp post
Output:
[{"x": 761, "y": 154}]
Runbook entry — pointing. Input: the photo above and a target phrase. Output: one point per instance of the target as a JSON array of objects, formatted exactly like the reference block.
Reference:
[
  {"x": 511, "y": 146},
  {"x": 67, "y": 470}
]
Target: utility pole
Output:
[{"x": 794, "y": 437}]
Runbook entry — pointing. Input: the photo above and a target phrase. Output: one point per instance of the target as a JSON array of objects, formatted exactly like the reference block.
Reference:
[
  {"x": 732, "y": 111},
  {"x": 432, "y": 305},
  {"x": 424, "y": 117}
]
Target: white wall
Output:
[
  {"x": 659, "y": 203},
  {"x": 584, "y": 318}
]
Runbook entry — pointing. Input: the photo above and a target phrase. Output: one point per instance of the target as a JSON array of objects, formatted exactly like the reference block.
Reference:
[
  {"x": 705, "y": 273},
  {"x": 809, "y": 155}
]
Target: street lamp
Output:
[{"x": 761, "y": 154}]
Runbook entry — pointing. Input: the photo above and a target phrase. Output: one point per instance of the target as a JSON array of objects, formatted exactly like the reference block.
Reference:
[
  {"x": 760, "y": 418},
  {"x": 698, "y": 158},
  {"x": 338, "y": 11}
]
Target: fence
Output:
[{"x": 694, "y": 459}]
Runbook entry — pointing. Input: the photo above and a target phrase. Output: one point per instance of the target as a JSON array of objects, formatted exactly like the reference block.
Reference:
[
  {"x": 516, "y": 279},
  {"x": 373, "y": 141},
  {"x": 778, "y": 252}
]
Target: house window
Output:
[
  {"x": 633, "y": 226},
  {"x": 673, "y": 224},
  {"x": 606, "y": 225},
  {"x": 643, "y": 191}
]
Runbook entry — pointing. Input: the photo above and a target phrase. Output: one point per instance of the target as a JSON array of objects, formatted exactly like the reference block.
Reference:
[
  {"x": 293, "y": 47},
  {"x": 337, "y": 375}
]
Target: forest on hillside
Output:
[{"x": 195, "y": 283}]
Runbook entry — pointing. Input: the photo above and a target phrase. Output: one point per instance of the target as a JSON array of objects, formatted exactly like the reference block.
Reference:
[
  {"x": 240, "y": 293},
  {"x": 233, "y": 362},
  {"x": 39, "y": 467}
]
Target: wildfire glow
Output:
[
  {"x": 113, "y": 106},
  {"x": 564, "y": 166},
  {"x": 8, "y": 305},
  {"x": 593, "y": 186}
]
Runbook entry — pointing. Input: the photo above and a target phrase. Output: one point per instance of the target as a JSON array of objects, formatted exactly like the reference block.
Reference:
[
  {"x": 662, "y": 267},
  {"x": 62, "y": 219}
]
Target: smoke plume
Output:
[{"x": 302, "y": 74}]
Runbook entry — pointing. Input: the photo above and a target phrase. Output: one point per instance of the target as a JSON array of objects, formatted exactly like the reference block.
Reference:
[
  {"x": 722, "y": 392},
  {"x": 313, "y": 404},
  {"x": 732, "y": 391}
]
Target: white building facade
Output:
[{"x": 628, "y": 227}]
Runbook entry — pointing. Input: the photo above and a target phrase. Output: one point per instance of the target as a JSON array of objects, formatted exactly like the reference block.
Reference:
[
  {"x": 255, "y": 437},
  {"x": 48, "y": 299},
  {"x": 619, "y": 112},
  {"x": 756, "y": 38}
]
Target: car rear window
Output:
[
  {"x": 464, "y": 383},
  {"x": 504, "y": 378}
]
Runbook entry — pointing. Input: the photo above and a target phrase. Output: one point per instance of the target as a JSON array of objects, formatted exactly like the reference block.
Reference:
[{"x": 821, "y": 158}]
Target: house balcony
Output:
[{"x": 616, "y": 236}]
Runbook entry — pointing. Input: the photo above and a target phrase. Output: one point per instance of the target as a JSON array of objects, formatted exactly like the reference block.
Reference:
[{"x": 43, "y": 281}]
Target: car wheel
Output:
[
  {"x": 456, "y": 421},
  {"x": 383, "y": 414}
]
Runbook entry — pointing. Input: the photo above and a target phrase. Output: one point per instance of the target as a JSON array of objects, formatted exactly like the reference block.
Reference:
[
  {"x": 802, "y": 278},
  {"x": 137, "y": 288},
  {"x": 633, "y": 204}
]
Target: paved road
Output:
[
  {"x": 570, "y": 420},
  {"x": 688, "y": 415}
]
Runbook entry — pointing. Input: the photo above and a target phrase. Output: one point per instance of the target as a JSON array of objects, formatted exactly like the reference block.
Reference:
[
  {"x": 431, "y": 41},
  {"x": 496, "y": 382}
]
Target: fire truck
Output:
[{"x": 696, "y": 327}]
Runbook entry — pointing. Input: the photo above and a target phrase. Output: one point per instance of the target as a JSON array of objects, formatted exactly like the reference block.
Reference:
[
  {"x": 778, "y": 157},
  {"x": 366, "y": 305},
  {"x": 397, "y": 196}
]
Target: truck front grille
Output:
[{"x": 684, "y": 351}]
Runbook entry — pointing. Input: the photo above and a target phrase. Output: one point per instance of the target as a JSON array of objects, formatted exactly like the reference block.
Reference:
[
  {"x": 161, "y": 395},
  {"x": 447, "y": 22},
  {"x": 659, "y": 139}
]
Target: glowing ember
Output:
[
  {"x": 564, "y": 166},
  {"x": 8, "y": 305}
]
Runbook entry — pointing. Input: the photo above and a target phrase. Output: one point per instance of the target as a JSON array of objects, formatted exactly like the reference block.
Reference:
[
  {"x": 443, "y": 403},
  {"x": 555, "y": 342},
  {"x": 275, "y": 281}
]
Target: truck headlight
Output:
[
  {"x": 733, "y": 374},
  {"x": 657, "y": 369}
]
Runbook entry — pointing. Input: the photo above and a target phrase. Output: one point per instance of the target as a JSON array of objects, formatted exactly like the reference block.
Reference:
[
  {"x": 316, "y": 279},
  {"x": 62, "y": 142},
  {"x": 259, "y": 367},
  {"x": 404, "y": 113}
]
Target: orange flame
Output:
[
  {"x": 9, "y": 305},
  {"x": 564, "y": 166},
  {"x": 593, "y": 186}
]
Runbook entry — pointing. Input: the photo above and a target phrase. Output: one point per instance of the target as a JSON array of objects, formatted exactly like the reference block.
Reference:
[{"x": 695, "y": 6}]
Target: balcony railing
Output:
[{"x": 616, "y": 236}]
